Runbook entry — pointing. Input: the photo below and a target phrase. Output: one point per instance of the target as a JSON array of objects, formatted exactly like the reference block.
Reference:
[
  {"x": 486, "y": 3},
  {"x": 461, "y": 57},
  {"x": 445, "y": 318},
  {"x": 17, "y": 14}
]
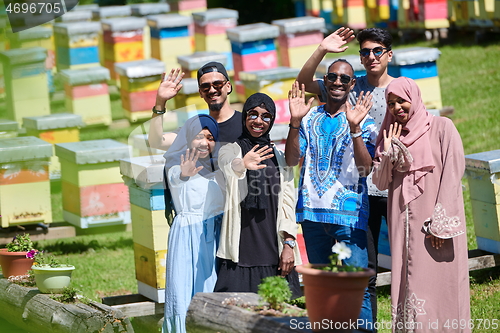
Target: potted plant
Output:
[
  {"x": 50, "y": 275},
  {"x": 13, "y": 257},
  {"x": 334, "y": 292}
]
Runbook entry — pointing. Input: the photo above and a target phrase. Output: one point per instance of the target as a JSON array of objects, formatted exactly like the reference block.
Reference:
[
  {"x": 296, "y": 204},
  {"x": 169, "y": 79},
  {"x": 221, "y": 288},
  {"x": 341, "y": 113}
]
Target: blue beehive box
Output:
[{"x": 415, "y": 62}]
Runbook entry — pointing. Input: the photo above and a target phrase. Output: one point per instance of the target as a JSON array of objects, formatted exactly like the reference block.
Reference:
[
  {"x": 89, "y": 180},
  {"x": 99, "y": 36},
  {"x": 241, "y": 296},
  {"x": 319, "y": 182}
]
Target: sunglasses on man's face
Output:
[
  {"x": 267, "y": 117},
  {"x": 205, "y": 87},
  {"x": 344, "y": 78},
  {"x": 377, "y": 51}
]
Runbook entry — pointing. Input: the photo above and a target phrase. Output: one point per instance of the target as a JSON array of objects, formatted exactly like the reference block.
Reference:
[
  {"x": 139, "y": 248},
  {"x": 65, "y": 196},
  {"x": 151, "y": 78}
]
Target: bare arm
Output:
[
  {"x": 169, "y": 87},
  {"x": 355, "y": 114},
  {"x": 331, "y": 44},
  {"x": 298, "y": 109}
]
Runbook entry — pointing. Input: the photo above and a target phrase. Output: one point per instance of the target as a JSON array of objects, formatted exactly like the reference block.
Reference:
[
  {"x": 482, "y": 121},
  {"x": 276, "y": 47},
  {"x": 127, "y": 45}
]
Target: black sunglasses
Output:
[
  {"x": 377, "y": 51},
  {"x": 267, "y": 117},
  {"x": 205, "y": 87},
  {"x": 344, "y": 78}
]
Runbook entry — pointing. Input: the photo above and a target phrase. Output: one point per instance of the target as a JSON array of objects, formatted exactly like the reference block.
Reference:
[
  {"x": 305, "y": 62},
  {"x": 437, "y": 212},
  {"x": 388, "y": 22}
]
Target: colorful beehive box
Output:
[
  {"x": 192, "y": 62},
  {"x": 76, "y": 16},
  {"x": 433, "y": 14},
  {"x": 483, "y": 174},
  {"x": 210, "y": 32},
  {"x": 54, "y": 128},
  {"x": 144, "y": 176},
  {"x": 187, "y": 7},
  {"x": 325, "y": 12},
  {"x": 93, "y": 191},
  {"x": 349, "y": 13},
  {"x": 419, "y": 64},
  {"x": 122, "y": 41},
  {"x": 276, "y": 83},
  {"x": 77, "y": 45},
  {"x": 253, "y": 47},
  {"x": 170, "y": 38},
  {"x": 354, "y": 60},
  {"x": 188, "y": 101},
  {"x": 139, "y": 81},
  {"x": 143, "y": 10},
  {"x": 299, "y": 37},
  {"x": 24, "y": 181},
  {"x": 313, "y": 7},
  {"x": 8, "y": 128},
  {"x": 26, "y": 89},
  {"x": 87, "y": 94}
]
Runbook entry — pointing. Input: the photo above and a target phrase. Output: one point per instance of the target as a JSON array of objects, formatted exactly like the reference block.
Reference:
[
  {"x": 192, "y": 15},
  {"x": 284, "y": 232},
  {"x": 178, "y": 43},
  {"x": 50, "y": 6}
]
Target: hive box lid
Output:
[
  {"x": 85, "y": 7},
  {"x": 215, "y": 14},
  {"x": 169, "y": 21},
  {"x": 189, "y": 86},
  {"x": 196, "y": 60},
  {"x": 300, "y": 24},
  {"x": 78, "y": 77},
  {"x": 8, "y": 125},
  {"x": 352, "y": 59},
  {"x": 143, "y": 9},
  {"x": 270, "y": 74},
  {"x": 93, "y": 151},
  {"x": 77, "y": 28},
  {"x": 488, "y": 160},
  {"x": 111, "y": 11},
  {"x": 414, "y": 55},
  {"x": 75, "y": 16},
  {"x": 146, "y": 171},
  {"x": 53, "y": 121},
  {"x": 140, "y": 68},
  {"x": 123, "y": 23},
  {"x": 24, "y": 149},
  {"x": 252, "y": 32},
  {"x": 24, "y": 56},
  {"x": 31, "y": 34}
]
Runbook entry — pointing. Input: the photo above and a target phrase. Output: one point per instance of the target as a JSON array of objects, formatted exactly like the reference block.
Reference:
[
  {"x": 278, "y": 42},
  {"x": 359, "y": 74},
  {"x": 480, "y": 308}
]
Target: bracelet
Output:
[
  {"x": 159, "y": 111},
  {"x": 356, "y": 135},
  {"x": 290, "y": 125}
]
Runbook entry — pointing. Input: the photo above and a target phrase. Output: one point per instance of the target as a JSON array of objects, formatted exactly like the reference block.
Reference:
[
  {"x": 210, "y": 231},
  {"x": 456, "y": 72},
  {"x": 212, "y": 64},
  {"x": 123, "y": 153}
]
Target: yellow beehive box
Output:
[
  {"x": 122, "y": 52},
  {"x": 298, "y": 55},
  {"x": 149, "y": 228},
  {"x": 168, "y": 49},
  {"x": 147, "y": 83},
  {"x": 275, "y": 82},
  {"x": 90, "y": 174},
  {"x": 431, "y": 92},
  {"x": 150, "y": 266},
  {"x": 91, "y": 109}
]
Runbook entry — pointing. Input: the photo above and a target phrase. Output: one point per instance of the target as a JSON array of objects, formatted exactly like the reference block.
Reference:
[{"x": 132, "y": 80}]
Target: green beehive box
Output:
[
  {"x": 483, "y": 174},
  {"x": 24, "y": 181}
]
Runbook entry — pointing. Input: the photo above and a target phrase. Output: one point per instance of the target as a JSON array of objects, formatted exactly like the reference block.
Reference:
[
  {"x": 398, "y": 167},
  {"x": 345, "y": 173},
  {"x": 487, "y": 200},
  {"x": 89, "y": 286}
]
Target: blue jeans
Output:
[{"x": 319, "y": 239}]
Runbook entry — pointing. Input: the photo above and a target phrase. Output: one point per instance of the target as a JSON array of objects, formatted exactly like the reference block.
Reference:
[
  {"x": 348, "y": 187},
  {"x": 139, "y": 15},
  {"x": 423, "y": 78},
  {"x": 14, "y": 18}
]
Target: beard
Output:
[{"x": 215, "y": 107}]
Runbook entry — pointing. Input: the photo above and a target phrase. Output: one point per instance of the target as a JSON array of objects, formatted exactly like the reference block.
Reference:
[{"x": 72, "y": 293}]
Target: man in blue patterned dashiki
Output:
[{"x": 337, "y": 142}]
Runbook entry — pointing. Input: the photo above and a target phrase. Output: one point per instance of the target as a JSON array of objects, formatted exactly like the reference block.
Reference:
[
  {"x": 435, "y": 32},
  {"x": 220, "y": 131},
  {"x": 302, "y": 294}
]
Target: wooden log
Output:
[
  {"x": 208, "y": 311},
  {"x": 135, "y": 305},
  {"x": 29, "y": 310}
]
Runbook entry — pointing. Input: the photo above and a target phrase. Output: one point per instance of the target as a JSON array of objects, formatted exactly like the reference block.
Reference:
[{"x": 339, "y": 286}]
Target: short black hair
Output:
[
  {"x": 341, "y": 60},
  {"x": 377, "y": 35}
]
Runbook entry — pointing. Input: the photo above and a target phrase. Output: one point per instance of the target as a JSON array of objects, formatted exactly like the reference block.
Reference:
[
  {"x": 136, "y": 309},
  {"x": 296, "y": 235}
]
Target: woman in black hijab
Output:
[{"x": 258, "y": 227}]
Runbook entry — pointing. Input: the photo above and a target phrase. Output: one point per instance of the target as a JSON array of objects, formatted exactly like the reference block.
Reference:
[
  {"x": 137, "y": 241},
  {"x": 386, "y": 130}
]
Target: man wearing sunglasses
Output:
[
  {"x": 214, "y": 88},
  {"x": 375, "y": 54}
]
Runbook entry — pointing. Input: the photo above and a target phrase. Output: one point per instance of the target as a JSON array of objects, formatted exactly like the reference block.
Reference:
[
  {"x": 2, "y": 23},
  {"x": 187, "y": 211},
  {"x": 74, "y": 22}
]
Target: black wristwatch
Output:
[{"x": 158, "y": 111}]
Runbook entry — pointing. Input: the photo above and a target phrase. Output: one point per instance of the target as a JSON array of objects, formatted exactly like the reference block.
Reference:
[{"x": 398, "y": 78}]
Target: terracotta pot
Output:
[
  {"x": 14, "y": 263},
  {"x": 335, "y": 297}
]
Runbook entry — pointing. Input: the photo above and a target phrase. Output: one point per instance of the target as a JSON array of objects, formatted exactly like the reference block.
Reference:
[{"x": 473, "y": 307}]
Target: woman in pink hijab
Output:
[{"x": 420, "y": 159}]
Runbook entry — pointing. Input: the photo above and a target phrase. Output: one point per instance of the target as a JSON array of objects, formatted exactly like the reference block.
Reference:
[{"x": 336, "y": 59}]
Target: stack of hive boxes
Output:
[
  {"x": 144, "y": 176},
  {"x": 275, "y": 82},
  {"x": 188, "y": 102},
  {"x": 77, "y": 45},
  {"x": 145, "y": 9},
  {"x": 253, "y": 49},
  {"x": 139, "y": 81},
  {"x": 87, "y": 94},
  {"x": 24, "y": 181},
  {"x": 483, "y": 174},
  {"x": 299, "y": 37},
  {"x": 170, "y": 38},
  {"x": 54, "y": 128},
  {"x": 419, "y": 64},
  {"x": 210, "y": 32},
  {"x": 191, "y": 63},
  {"x": 349, "y": 13},
  {"x": 313, "y": 7},
  {"x": 26, "y": 89},
  {"x": 122, "y": 41},
  {"x": 92, "y": 188}
]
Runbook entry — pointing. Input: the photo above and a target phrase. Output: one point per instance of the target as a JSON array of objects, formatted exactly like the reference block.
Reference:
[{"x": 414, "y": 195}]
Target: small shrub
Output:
[
  {"x": 20, "y": 243},
  {"x": 275, "y": 291},
  {"x": 69, "y": 295}
]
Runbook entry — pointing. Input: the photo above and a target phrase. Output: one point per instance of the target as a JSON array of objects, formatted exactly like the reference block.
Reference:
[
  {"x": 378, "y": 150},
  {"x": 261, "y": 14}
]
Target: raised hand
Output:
[
  {"x": 298, "y": 106},
  {"x": 394, "y": 132},
  {"x": 355, "y": 114},
  {"x": 253, "y": 158},
  {"x": 335, "y": 42},
  {"x": 188, "y": 164},
  {"x": 169, "y": 86}
]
